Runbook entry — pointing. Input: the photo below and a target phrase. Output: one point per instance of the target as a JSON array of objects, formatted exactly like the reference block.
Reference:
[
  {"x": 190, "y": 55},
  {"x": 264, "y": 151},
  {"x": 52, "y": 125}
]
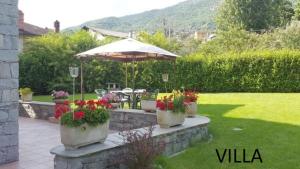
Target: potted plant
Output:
[
  {"x": 59, "y": 97},
  {"x": 148, "y": 102},
  {"x": 170, "y": 110},
  {"x": 190, "y": 98},
  {"x": 26, "y": 94},
  {"x": 112, "y": 99},
  {"x": 88, "y": 123}
]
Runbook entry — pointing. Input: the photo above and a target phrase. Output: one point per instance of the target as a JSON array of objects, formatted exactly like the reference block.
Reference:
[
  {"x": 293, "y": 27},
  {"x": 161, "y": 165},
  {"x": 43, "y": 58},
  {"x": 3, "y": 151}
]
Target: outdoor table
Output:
[{"x": 136, "y": 92}]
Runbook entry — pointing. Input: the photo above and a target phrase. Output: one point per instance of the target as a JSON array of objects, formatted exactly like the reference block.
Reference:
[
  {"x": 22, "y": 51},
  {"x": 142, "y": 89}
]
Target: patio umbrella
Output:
[{"x": 127, "y": 50}]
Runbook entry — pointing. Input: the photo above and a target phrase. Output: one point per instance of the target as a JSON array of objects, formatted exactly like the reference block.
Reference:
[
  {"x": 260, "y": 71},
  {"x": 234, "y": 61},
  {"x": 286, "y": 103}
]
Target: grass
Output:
[{"x": 269, "y": 122}]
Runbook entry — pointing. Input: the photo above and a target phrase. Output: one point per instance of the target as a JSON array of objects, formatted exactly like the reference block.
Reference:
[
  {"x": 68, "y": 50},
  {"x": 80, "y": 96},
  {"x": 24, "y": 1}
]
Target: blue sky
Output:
[{"x": 74, "y": 12}]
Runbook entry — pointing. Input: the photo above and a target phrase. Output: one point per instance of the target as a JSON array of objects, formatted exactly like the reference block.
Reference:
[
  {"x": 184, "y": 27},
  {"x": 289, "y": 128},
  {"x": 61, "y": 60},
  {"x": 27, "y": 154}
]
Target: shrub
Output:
[{"x": 142, "y": 148}]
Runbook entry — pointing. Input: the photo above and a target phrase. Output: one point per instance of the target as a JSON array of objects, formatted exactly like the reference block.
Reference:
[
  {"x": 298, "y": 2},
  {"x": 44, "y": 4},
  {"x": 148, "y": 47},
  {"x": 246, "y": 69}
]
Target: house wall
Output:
[{"x": 9, "y": 74}]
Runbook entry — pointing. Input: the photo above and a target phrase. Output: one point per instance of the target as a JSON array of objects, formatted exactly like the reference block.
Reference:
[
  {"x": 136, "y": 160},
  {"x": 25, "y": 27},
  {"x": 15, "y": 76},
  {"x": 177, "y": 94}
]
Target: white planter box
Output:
[
  {"x": 148, "y": 105},
  {"x": 191, "y": 109},
  {"x": 75, "y": 137},
  {"x": 27, "y": 97},
  {"x": 167, "y": 119}
]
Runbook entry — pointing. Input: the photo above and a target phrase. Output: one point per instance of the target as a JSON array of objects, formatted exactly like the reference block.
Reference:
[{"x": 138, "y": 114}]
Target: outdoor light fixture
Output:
[
  {"x": 165, "y": 78},
  {"x": 74, "y": 73}
]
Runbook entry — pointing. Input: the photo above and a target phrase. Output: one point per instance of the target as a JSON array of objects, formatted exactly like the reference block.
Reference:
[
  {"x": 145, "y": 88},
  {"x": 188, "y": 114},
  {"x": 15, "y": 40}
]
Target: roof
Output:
[
  {"x": 33, "y": 30},
  {"x": 108, "y": 32}
]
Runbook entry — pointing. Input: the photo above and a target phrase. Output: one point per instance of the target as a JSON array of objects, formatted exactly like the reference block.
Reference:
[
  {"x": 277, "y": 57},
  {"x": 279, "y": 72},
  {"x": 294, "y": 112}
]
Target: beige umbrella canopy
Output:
[{"x": 125, "y": 51}]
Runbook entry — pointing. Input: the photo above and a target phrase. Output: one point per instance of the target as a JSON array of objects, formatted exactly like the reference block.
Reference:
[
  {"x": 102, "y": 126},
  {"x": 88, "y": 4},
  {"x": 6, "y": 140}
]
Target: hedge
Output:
[{"x": 260, "y": 71}]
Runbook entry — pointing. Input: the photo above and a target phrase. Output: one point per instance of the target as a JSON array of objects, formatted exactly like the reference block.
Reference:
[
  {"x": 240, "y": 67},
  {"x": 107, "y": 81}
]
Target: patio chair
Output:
[
  {"x": 100, "y": 93},
  {"x": 124, "y": 98}
]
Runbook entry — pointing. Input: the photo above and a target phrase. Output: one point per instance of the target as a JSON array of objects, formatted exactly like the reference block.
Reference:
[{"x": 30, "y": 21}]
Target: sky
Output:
[{"x": 43, "y": 13}]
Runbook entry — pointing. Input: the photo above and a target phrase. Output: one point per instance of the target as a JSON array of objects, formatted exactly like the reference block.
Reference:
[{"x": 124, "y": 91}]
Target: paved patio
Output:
[{"x": 36, "y": 138}]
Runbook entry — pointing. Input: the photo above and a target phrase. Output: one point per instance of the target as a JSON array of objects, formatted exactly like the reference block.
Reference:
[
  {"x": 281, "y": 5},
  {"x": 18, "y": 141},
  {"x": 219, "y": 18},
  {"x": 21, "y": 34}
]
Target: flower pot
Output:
[
  {"x": 75, "y": 137},
  {"x": 167, "y": 119},
  {"x": 115, "y": 105},
  {"x": 148, "y": 105},
  {"x": 191, "y": 109},
  {"x": 26, "y": 97}
]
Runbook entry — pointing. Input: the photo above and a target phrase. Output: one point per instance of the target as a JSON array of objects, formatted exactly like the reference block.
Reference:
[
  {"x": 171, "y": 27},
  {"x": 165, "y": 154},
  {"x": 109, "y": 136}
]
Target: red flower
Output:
[
  {"x": 60, "y": 109},
  {"x": 79, "y": 115},
  {"x": 80, "y": 103},
  {"x": 170, "y": 105},
  {"x": 92, "y": 107},
  {"x": 102, "y": 102},
  {"x": 90, "y": 102},
  {"x": 57, "y": 114},
  {"x": 66, "y": 102},
  {"x": 109, "y": 106},
  {"x": 161, "y": 105}
]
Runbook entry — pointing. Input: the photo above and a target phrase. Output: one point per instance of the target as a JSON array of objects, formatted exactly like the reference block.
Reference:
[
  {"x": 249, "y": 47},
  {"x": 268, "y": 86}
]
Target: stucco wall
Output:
[{"x": 9, "y": 74}]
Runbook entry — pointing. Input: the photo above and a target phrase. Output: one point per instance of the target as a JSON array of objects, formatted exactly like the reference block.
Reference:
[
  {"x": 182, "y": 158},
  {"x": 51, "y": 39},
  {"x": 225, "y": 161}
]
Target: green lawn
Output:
[{"x": 269, "y": 122}]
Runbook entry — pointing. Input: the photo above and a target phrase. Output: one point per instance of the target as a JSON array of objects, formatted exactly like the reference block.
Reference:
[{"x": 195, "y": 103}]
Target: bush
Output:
[{"x": 259, "y": 71}]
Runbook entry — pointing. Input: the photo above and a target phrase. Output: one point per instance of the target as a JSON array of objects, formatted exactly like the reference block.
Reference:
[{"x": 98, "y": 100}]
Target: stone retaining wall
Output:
[
  {"x": 127, "y": 119},
  {"x": 36, "y": 110},
  {"x": 9, "y": 81},
  {"x": 120, "y": 119},
  {"x": 107, "y": 155}
]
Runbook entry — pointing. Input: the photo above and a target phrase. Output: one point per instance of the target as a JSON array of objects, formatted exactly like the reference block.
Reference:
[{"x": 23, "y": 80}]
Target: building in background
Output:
[{"x": 27, "y": 30}]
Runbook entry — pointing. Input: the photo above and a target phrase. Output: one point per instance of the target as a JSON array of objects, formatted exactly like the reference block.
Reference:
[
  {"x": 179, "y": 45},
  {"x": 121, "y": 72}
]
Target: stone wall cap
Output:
[
  {"x": 137, "y": 111},
  {"x": 39, "y": 103},
  {"x": 116, "y": 140}
]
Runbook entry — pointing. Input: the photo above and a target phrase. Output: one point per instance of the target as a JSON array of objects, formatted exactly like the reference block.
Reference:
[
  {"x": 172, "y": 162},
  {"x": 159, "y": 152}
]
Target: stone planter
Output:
[
  {"x": 75, "y": 137},
  {"x": 27, "y": 97},
  {"x": 148, "y": 105},
  {"x": 115, "y": 105},
  {"x": 167, "y": 119},
  {"x": 191, "y": 109}
]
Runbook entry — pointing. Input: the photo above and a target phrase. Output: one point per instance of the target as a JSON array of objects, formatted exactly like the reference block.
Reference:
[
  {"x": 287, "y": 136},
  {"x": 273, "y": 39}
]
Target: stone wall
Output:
[
  {"x": 127, "y": 119},
  {"x": 109, "y": 154},
  {"x": 9, "y": 74},
  {"x": 36, "y": 110},
  {"x": 120, "y": 119}
]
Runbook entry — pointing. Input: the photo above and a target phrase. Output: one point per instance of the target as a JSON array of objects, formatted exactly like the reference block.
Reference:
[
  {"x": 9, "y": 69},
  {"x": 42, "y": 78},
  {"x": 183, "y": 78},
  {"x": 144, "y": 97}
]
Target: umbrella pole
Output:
[
  {"x": 126, "y": 75},
  {"x": 81, "y": 80},
  {"x": 133, "y": 86}
]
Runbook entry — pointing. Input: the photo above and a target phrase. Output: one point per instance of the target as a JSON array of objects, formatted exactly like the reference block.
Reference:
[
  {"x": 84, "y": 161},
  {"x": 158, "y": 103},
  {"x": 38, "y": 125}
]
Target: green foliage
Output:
[
  {"x": 91, "y": 117},
  {"x": 44, "y": 64},
  {"x": 255, "y": 15},
  {"x": 256, "y": 71},
  {"x": 159, "y": 39},
  {"x": 25, "y": 91},
  {"x": 297, "y": 11}
]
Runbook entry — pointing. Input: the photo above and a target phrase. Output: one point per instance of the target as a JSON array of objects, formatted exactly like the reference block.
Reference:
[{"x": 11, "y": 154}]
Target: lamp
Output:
[
  {"x": 74, "y": 73},
  {"x": 165, "y": 78}
]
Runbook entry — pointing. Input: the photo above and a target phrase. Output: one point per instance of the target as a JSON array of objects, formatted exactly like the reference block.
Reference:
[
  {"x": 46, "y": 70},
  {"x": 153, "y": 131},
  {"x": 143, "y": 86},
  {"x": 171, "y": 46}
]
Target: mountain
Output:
[{"x": 187, "y": 16}]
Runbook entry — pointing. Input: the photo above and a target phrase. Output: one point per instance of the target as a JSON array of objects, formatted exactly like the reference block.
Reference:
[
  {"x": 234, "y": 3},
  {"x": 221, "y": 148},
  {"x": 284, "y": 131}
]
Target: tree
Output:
[
  {"x": 254, "y": 15},
  {"x": 297, "y": 11},
  {"x": 159, "y": 39},
  {"x": 45, "y": 61}
]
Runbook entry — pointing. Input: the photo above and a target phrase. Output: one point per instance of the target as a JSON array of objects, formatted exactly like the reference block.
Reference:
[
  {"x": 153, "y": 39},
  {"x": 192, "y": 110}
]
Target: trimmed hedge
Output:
[{"x": 261, "y": 71}]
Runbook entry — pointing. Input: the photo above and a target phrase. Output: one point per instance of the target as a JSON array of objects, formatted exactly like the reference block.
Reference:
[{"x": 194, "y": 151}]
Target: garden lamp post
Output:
[
  {"x": 165, "y": 78},
  {"x": 74, "y": 73}
]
